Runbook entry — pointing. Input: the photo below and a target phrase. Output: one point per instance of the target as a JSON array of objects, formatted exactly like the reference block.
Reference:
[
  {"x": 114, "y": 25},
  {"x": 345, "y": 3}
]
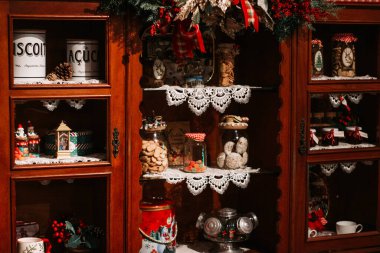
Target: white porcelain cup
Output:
[
  {"x": 30, "y": 245},
  {"x": 311, "y": 233},
  {"x": 348, "y": 227}
]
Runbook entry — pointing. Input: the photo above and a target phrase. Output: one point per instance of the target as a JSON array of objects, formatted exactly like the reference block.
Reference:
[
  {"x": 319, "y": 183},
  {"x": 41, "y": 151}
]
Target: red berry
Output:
[
  {"x": 59, "y": 240},
  {"x": 56, "y": 234},
  {"x": 55, "y": 222},
  {"x": 55, "y": 229}
]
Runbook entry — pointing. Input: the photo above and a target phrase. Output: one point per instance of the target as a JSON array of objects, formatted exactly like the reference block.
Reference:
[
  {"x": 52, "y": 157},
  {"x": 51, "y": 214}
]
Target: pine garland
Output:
[{"x": 290, "y": 14}]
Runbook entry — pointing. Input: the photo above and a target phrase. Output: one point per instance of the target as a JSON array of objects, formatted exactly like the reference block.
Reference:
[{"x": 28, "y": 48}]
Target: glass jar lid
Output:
[
  {"x": 234, "y": 122},
  {"x": 152, "y": 124},
  {"x": 227, "y": 213}
]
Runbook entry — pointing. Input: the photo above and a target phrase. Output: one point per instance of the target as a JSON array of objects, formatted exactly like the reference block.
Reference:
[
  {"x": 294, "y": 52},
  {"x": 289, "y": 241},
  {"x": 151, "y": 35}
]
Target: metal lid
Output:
[
  {"x": 244, "y": 225},
  {"x": 212, "y": 226},
  {"x": 227, "y": 213}
]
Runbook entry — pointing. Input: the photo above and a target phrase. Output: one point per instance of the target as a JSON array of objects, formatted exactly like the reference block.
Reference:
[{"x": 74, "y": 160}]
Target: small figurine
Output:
[
  {"x": 33, "y": 141},
  {"x": 21, "y": 149}
]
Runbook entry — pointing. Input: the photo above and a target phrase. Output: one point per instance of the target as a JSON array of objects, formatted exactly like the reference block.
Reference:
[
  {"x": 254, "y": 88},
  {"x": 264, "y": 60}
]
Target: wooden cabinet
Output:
[
  {"x": 340, "y": 180},
  {"x": 268, "y": 131},
  {"x": 89, "y": 184}
]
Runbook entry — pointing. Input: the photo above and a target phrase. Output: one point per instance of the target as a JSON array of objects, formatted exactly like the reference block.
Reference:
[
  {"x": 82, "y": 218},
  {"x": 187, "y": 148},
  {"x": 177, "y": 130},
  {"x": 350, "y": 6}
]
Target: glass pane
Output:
[
  {"x": 53, "y": 132},
  {"x": 341, "y": 52},
  {"x": 82, "y": 202},
  {"x": 344, "y": 120},
  {"x": 41, "y": 46},
  {"x": 342, "y": 191}
]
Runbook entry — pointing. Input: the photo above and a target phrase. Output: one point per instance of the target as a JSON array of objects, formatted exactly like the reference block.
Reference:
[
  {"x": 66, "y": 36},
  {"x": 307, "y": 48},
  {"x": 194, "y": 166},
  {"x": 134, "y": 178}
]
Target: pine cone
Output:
[
  {"x": 64, "y": 71},
  {"x": 52, "y": 76}
]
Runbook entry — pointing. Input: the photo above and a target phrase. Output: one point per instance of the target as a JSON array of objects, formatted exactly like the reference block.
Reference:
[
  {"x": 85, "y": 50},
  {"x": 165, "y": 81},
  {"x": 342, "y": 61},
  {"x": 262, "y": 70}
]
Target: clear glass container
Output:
[
  {"x": 234, "y": 149},
  {"x": 195, "y": 149},
  {"x": 154, "y": 152}
]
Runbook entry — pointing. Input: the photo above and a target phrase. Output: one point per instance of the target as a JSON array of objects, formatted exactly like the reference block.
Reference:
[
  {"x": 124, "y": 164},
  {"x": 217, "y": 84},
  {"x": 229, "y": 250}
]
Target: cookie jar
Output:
[
  {"x": 154, "y": 153},
  {"x": 158, "y": 227},
  {"x": 234, "y": 148},
  {"x": 195, "y": 150}
]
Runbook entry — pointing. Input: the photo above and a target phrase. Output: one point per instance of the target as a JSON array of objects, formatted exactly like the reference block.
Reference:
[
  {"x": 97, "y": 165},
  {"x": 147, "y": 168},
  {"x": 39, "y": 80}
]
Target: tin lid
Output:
[
  {"x": 227, "y": 213},
  {"x": 151, "y": 207},
  {"x": 345, "y": 37},
  {"x": 29, "y": 31},
  {"x": 353, "y": 128},
  {"x": 81, "y": 41},
  {"x": 153, "y": 124},
  {"x": 212, "y": 226},
  {"x": 328, "y": 129},
  {"x": 244, "y": 225},
  {"x": 234, "y": 122}
]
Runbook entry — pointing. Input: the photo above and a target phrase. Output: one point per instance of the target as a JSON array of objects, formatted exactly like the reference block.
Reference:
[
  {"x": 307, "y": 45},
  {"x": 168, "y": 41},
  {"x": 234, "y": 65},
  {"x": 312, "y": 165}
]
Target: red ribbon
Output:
[
  {"x": 355, "y": 134},
  {"x": 330, "y": 136},
  {"x": 250, "y": 16},
  {"x": 185, "y": 41}
]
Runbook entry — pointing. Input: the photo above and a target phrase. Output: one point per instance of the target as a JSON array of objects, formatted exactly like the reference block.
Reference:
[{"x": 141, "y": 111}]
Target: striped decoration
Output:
[{"x": 80, "y": 143}]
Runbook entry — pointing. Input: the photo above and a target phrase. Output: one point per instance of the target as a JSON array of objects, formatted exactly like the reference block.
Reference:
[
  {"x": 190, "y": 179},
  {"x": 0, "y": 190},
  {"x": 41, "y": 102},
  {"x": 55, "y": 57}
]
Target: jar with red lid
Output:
[
  {"x": 158, "y": 227},
  {"x": 195, "y": 150}
]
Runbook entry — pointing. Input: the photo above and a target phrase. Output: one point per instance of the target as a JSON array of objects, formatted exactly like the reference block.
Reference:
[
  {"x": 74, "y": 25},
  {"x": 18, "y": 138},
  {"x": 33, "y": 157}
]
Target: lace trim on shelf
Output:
[
  {"x": 199, "y": 99},
  {"x": 218, "y": 179},
  {"x": 337, "y": 99},
  {"x": 343, "y": 145},
  {"x": 50, "y": 160},
  {"x": 325, "y": 78},
  {"x": 348, "y": 167}
]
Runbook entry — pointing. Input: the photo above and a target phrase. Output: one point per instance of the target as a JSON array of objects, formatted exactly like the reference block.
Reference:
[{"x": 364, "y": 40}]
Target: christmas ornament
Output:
[
  {"x": 62, "y": 138},
  {"x": 21, "y": 149}
]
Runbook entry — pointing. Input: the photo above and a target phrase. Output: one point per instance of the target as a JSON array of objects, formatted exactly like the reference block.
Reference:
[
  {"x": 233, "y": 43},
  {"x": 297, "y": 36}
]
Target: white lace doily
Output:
[
  {"x": 343, "y": 145},
  {"x": 218, "y": 179},
  {"x": 50, "y": 160},
  {"x": 199, "y": 99},
  {"x": 336, "y": 101},
  {"x": 325, "y": 78},
  {"x": 329, "y": 168}
]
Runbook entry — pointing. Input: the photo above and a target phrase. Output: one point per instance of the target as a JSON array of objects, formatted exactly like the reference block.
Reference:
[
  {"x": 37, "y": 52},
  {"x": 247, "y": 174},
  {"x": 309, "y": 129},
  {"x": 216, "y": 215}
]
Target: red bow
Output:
[
  {"x": 250, "y": 16},
  {"x": 330, "y": 136}
]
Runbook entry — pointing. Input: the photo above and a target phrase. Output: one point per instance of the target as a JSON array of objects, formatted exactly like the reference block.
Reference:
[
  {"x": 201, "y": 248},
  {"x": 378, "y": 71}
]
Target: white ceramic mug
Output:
[
  {"x": 30, "y": 245},
  {"x": 311, "y": 232},
  {"x": 348, "y": 227}
]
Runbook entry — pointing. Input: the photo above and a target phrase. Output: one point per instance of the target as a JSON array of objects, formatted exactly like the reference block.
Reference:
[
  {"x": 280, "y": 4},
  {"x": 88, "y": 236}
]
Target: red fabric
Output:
[
  {"x": 250, "y": 16},
  {"x": 316, "y": 220},
  {"x": 185, "y": 41}
]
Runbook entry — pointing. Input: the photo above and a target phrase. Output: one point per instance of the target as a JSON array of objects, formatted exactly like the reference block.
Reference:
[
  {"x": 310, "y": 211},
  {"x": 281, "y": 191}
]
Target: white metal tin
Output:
[
  {"x": 83, "y": 56},
  {"x": 29, "y": 55}
]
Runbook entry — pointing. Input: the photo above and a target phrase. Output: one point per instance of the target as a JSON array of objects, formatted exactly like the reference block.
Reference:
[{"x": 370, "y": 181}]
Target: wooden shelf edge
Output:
[{"x": 343, "y": 155}]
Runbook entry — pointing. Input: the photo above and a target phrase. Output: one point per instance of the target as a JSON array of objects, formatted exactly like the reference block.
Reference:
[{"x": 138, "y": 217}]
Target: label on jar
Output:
[
  {"x": 364, "y": 135},
  {"x": 315, "y": 138},
  {"x": 339, "y": 134}
]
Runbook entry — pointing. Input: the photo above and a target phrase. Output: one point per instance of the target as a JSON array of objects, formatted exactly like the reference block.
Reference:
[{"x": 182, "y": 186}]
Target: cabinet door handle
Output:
[
  {"x": 115, "y": 142},
  {"x": 303, "y": 147}
]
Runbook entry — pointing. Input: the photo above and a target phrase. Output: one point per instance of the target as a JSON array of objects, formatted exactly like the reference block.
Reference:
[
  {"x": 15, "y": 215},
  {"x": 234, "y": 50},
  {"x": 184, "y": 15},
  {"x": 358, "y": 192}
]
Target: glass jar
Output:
[
  {"x": 154, "y": 152},
  {"x": 195, "y": 150},
  {"x": 330, "y": 136},
  {"x": 234, "y": 153},
  {"x": 354, "y": 135},
  {"x": 313, "y": 138}
]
